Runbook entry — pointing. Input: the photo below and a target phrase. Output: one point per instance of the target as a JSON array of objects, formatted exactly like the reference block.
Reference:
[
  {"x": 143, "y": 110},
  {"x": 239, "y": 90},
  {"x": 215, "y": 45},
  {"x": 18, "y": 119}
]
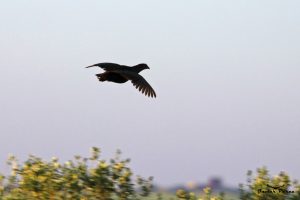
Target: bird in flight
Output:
[{"x": 121, "y": 73}]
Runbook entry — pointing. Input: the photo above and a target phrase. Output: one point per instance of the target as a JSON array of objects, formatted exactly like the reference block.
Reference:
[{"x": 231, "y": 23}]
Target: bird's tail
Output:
[
  {"x": 101, "y": 77},
  {"x": 91, "y": 66}
]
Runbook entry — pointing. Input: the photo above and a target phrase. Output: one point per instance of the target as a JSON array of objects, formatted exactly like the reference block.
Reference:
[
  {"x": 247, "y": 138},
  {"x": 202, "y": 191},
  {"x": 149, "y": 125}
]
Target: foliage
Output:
[
  {"x": 265, "y": 187},
  {"x": 81, "y": 178},
  {"x": 93, "y": 178},
  {"x": 184, "y": 195},
  {"x": 260, "y": 187}
]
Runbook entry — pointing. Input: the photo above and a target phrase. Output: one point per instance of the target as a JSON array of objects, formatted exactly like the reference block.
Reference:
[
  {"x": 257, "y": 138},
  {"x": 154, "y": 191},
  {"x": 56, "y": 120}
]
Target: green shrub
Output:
[
  {"x": 207, "y": 195},
  {"x": 93, "y": 178},
  {"x": 79, "y": 179},
  {"x": 260, "y": 187},
  {"x": 265, "y": 187}
]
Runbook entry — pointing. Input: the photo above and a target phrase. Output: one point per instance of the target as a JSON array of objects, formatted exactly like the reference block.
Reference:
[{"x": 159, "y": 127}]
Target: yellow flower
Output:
[
  {"x": 93, "y": 172},
  {"x": 54, "y": 159},
  {"x": 127, "y": 174},
  {"x": 35, "y": 194},
  {"x": 74, "y": 176},
  {"x": 122, "y": 180},
  {"x": 13, "y": 173},
  {"x": 25, "y": 167},
  {"x": 68, "y": 164},
  {"x": 56, "y": 165},
  {"x": 42, "y": 178},
  {"x": 119, "y": 166},
  {"x": 207, "y": 190},
  {"x": 103, "y": 164},
  {"x": 35, "y": 168},
  {"x": 21, "y": 182}
]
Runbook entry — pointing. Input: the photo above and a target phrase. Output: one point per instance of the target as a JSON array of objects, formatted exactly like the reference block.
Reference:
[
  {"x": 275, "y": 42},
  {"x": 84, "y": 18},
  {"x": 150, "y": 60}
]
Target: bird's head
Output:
[
  {"x": 141, "y": 67},
  {"x": 144, "y": 66}
]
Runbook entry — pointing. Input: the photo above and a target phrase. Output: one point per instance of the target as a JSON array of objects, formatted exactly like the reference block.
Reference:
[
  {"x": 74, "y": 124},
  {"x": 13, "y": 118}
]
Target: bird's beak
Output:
[{"x": 90, "y": 66}]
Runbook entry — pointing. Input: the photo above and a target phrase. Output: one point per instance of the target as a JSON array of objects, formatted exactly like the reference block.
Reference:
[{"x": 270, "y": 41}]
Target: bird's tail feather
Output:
[
  {"x": 90, "y": 66},
  {"x": 101, "y": 77}
]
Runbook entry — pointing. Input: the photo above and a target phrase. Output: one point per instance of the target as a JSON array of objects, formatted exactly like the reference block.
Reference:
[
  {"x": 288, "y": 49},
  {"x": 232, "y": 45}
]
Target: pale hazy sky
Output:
[{"x": 226, "y": 74}]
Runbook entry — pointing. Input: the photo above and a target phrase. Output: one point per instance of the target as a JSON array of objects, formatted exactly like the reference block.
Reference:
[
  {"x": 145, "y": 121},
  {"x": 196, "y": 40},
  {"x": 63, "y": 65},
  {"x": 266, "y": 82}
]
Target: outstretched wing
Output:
[
  {"x": 108, "y": 66},
  {"x": 139, "y": 82}
]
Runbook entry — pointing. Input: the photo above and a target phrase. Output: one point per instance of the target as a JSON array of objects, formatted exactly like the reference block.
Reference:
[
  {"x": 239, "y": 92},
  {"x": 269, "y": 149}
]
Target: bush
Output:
[
  {"x": 265, "y": 187},
  {"x": 93, "y": 178},
  {"x": 207, "y": 195},
  {"x": 81, "y": 178},
  {"x": 260, "y": 187}
]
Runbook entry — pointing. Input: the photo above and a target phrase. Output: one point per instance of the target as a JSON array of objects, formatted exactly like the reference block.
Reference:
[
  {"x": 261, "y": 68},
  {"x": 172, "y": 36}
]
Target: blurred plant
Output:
[
  {"x": 93, "y": 178},
  {"x": 79, "y": 179},
  {"x": 207, "y": 195},
  {"x": 260, "y": 187},
  {"x": 265, "y": 187}
]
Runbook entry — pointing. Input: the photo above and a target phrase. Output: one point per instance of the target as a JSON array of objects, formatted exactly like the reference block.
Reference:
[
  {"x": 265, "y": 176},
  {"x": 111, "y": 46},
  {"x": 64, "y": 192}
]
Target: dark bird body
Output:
[{"x": 121, "y": 73}]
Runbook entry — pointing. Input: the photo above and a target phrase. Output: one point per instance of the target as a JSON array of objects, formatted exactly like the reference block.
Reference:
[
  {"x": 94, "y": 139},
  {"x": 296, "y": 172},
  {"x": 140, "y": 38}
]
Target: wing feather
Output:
[
  {"x": 108, "y": 66},
  {"x": 139, "y": 82}
]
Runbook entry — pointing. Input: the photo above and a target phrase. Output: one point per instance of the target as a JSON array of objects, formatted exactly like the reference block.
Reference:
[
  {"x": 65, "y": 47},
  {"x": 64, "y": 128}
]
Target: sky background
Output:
[{"x": 226, "y": 74}]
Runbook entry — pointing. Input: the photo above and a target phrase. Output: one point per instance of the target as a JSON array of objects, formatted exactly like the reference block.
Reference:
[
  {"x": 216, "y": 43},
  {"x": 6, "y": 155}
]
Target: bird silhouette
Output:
[{"x": 121, "y": 73}]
